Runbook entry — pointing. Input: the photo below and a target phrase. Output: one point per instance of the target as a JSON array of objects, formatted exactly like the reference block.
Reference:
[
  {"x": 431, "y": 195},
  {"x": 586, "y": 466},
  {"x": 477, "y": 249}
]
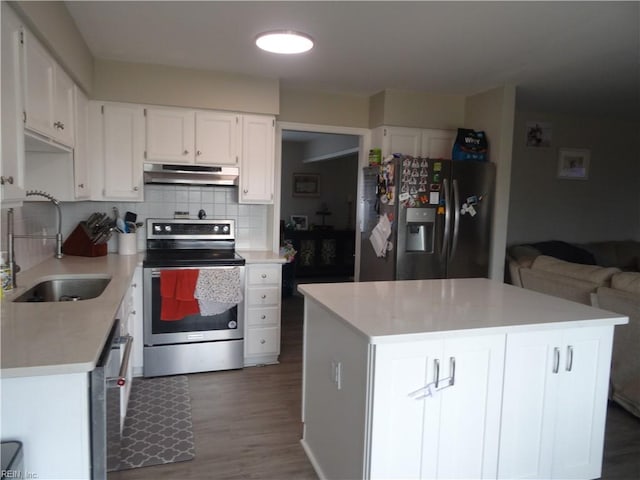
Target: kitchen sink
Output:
[{"x": 70, "y": 288}]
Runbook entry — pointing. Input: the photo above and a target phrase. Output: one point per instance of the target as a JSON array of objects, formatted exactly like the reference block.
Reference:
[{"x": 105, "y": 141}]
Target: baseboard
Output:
[{"x": 312, "y": 459}]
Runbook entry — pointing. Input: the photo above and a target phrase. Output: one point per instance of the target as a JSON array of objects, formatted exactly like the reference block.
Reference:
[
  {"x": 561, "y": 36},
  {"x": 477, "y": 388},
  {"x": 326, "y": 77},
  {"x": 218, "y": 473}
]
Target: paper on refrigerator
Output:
[{"x": 379, "y": 236}]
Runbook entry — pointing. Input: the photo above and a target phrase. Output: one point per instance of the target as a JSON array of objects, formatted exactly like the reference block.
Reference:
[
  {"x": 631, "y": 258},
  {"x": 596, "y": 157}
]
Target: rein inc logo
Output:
[{"x": 17, "y": 474}]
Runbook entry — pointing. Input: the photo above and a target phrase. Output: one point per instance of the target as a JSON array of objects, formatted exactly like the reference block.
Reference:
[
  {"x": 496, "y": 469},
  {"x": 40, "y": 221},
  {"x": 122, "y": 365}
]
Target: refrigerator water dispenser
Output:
[{"x": 420, "y": 229}]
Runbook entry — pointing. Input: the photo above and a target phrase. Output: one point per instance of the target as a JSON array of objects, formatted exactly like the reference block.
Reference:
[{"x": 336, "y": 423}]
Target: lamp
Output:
[{"x": 284, "y": 42}]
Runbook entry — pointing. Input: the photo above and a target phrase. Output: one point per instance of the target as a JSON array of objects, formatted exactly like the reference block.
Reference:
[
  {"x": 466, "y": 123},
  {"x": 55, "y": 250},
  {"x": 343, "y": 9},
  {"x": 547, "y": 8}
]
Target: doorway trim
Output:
[{"x": 364, "y": 145}]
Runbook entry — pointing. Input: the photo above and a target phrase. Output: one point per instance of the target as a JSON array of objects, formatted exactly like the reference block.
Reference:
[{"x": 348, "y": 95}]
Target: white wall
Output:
[
  {"x": 493, "y": 112},
  {"x": 604, "y": 207}
]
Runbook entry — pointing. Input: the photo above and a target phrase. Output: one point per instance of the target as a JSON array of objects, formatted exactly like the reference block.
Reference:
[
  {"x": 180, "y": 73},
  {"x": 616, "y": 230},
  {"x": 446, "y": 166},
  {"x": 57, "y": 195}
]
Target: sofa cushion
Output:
[
  {"x": 565, "y": 251},
  {"x": 590, "y": 273},
  {"x": 627, "y": 282}
]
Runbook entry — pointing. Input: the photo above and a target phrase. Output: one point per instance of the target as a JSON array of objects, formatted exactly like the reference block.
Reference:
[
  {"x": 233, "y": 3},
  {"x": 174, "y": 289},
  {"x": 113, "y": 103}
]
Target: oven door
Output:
[{"x": 192, "y": 328}]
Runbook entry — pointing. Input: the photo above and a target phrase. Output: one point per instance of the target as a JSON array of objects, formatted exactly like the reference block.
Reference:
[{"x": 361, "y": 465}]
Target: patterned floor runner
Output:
[{"x": 158, "y": 426}]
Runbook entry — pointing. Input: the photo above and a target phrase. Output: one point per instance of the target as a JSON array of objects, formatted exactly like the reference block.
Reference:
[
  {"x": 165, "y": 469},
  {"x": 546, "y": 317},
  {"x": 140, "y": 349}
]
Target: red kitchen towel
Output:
[{"x": 176, "y": 292}]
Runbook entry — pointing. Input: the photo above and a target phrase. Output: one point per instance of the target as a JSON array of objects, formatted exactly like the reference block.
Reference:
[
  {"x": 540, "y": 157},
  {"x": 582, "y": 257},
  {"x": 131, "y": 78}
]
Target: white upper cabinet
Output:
[
  {"x": 418, "y": 142},
  {"x": 187, "y": 136},
  {"x": 81, "y": 151},
  {"x": 218, "y": 137},
  {"x": 170, "y": 134},
  {"x": 12, "y": 167},
  {"x": 48, "y": 94},
  {"x": 117, "y": 139},
  {"x": 257, "y": 161}
]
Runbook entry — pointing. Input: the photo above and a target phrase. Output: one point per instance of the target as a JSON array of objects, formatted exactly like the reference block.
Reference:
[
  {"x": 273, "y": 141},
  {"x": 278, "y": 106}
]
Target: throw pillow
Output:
[{"x": 565, "y": 251}]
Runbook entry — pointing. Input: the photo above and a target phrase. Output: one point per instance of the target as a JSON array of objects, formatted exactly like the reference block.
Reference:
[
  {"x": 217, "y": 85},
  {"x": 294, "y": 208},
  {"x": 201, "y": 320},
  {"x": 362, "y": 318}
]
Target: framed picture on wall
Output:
[
  {"x": 306, "y": 185},
  {"x": 299, "y": 222},
  {"x": 573, "y": 163}
]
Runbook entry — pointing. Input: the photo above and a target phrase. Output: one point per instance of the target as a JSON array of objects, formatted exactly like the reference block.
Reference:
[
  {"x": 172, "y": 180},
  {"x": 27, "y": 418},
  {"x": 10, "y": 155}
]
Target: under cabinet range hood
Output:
[{"x": 190, "y": 175}]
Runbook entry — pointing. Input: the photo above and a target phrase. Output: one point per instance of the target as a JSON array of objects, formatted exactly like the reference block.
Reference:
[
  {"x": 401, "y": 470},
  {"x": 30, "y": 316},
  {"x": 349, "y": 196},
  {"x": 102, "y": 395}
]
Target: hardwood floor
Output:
[{"x": 247, "y": 423}]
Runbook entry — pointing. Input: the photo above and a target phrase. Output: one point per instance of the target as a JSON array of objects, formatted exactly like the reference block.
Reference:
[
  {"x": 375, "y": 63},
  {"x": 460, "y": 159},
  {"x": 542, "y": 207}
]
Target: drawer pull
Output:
[
  {"x": 264, "y": 275},
  {"x": 263, "y": 341},
  {"x": 264, "y": 296},
  {"x": 263, "y": 317}
]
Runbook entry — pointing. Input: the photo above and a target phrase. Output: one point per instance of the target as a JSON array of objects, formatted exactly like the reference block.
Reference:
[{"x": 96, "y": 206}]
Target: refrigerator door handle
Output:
[
  {"x": 456, "y": 218},
  {"x": 447, "y": 220}
]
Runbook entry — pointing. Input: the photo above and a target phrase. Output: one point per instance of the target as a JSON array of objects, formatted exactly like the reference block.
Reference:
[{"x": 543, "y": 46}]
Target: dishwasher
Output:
[{"x": 107, "y": 380}]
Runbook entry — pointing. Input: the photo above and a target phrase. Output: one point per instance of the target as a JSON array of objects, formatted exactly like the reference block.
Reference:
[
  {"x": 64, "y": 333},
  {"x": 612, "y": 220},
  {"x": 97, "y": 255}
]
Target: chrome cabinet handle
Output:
[
  {"x": 569, "y": 364},
  {"x": 81, "y": 185},
  {"x": 263, "y": 341},
  {"x": 135, "y": 189},
  {"x": 264, "y": 296},
  {"x": 186, "y": 152},
  {"x": 436, "y": 372},
  {"x": 452, "y": 370},
  {"x": 556, "y": 359},
  {"x": 263, "y": 317},
  {"x": 245, "y": 190},
  {"x": 264, "y": 275},
  {"x": 198, "y": 152},
  {"x": 4, "y": 180},
  {"x": 122, "y": 374}
]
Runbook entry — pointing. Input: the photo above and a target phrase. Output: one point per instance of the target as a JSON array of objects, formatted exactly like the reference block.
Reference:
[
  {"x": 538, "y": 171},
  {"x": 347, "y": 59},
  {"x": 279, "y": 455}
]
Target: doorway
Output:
[{"x": 318, "y": 190}]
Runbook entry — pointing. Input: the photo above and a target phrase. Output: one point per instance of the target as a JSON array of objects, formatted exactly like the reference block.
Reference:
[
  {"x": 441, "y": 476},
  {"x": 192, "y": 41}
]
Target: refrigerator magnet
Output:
[
  {"x": 437, "y": 166},
  {"x": 434, "y": 197},
  {"x": 440, "y": 210},
  {"x": 434, "y": 187}
]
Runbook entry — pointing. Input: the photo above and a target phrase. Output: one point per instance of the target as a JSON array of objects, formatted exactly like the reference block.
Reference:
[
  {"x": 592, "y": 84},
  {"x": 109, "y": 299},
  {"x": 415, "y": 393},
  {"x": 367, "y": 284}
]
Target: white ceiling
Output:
[{"x": 579, "y": 57}]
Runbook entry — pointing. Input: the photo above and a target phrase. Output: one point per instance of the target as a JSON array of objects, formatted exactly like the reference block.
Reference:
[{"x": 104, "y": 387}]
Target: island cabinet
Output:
[
  {"x": 554, "y": 403},
  {"x": 463, "y": 379}
]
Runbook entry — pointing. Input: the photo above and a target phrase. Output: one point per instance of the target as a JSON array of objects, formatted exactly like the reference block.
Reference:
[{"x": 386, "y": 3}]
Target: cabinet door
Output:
[
  {"x": 170, "y": 135},
  {"x": 468, "y": 423},
  {"x": 123, "y": 151},
  {"x": 437, "y": 143},
  {"x": 80, "y": 152},
  {"x": 63, "y": 111},
  {"x": 12, "y": 167},
  {"x": 217, "y": 138},
  {"x": 257, "y": 159},
  {"x": 38, "y": 79},
  {"x": 554, "y": 404},
  {"x": 454, "y": 432},
  {"x": 401, "y": 140}
]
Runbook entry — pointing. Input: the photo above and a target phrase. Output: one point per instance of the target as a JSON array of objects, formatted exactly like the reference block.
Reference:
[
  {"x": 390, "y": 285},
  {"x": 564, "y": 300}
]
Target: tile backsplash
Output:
[{"x": 161, "y": 201}]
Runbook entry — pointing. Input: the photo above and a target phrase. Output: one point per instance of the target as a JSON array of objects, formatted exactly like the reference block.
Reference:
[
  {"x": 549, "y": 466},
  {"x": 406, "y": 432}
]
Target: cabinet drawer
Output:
[
  {"x": 263, "y": 296},
  {"x": 261, "y": 341},
  {"x": 263, "y": 316},
  {"x": 264, "y": 274}
]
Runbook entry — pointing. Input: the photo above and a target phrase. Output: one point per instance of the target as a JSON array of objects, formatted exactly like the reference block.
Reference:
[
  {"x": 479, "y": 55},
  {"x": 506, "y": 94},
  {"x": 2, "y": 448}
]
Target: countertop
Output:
[
  {"x": 422, "y": 309},
  {"x": 62, "y": 337},
  {"x": 260, "y": 256}
]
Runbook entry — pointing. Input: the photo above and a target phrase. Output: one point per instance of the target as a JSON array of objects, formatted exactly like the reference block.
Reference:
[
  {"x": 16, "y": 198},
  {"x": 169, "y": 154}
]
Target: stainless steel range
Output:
[{"x": 178, "y": 336}]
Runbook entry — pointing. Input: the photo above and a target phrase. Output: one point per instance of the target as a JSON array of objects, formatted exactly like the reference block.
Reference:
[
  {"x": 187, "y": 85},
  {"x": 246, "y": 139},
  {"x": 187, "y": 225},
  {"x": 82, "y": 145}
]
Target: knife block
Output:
[{"x": 79, "y": 244}]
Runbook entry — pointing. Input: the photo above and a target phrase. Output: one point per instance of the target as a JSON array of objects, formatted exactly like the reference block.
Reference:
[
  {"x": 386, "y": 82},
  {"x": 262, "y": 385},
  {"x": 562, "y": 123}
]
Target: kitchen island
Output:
[{"x": 465, "y": 378}]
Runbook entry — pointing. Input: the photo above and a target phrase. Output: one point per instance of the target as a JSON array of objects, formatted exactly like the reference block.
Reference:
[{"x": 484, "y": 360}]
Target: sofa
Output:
[{"x": 604, "y": 275}]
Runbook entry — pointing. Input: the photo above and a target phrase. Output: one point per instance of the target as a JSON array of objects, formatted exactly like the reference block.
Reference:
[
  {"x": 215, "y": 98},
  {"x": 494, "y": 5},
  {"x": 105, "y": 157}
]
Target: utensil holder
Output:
[
  {"x": 79, "y": 244},
  {"x": 127, "y": 244}
]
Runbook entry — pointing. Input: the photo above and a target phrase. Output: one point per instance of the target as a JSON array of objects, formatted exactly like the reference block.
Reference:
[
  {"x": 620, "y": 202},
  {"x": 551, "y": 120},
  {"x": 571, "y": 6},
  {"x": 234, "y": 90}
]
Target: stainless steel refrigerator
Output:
[{"x": 440, "y": 213}]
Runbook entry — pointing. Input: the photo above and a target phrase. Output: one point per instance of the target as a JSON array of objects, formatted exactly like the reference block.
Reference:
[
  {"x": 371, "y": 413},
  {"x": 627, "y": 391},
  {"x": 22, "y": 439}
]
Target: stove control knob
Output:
[
  {"x": 225, "y": 229},
  {"x": 167, "y": 228},
  {"x": 216, "y": 228},
  {"x": 157, "y": 228}
]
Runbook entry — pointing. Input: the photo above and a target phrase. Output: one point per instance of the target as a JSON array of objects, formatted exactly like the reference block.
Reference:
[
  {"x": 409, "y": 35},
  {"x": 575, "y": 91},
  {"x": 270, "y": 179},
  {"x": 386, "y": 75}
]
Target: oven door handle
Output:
[{"x": 155, "y": 272}]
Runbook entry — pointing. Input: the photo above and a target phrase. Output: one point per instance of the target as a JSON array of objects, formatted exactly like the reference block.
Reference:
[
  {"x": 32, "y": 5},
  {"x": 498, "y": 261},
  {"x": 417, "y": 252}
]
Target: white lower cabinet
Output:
[
  {"x": 262, "y": 314},
  {"x": 554, "y": 404},
  {"x": 530, "y": 404},
  {"x": 436, "y": 410}
]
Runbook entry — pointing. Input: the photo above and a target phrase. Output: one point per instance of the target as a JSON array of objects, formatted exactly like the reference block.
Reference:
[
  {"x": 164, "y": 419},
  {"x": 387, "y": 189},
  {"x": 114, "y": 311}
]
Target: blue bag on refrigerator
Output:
[{"x": 470, "y": 145}]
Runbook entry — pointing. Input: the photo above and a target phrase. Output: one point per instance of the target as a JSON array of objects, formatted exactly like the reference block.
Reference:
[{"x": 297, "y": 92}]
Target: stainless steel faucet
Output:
[{"x": 11, "y": 236}]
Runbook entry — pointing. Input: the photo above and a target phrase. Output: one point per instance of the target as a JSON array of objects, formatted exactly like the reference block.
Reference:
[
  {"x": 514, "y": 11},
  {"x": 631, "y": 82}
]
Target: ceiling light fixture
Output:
[{"x": 284, "y": 41}]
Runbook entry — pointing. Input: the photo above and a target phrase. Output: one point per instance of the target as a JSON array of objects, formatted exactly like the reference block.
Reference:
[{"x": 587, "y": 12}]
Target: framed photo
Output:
[
  {"x": 306, "y": 185},
  {"x": 299, "y": 222},
  {"x": 573, "y": 163},
  {"x": 538, "y": 134}
]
